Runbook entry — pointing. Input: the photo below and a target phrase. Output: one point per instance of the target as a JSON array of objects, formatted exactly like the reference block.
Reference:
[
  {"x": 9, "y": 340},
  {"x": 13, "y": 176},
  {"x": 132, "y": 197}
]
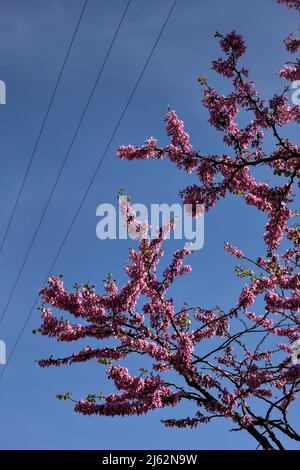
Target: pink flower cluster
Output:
[
  {"x": 233, "y": 250},
  {"x": 178, "y": 151},
  {"x": 234, "y": 47},
  {"x": 291, "y": 3},
  {"x": 139, "y": 396},
  {"x": 292, "y": 44}
]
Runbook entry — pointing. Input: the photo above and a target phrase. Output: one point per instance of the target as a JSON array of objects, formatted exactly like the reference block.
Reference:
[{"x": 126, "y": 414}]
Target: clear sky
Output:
[{"x": 34, "y": 37}]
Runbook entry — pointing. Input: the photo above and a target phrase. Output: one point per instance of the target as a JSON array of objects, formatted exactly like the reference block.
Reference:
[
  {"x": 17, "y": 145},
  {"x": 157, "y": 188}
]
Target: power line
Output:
[
  {"x": 91, "y": 182},
  {"x": 41, "y": 129},
  {"x": 63, "y": 166}
]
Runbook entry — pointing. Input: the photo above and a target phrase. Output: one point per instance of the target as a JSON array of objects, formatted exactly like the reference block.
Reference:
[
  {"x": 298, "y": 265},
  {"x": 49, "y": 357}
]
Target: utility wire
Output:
[
  {"x": 41, "y": 130},
  {"x": 91, "y": 183},
  {"x": 62, "y": 166}
]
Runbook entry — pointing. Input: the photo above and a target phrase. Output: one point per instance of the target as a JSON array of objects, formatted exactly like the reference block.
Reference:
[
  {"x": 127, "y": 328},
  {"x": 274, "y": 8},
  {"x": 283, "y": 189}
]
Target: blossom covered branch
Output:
[{"x": 242, "y": 364}]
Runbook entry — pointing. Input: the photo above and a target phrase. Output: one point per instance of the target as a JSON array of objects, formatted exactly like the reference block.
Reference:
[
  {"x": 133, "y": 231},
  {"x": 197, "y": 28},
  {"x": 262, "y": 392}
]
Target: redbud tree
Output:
[{"x": 252, "y": 386}]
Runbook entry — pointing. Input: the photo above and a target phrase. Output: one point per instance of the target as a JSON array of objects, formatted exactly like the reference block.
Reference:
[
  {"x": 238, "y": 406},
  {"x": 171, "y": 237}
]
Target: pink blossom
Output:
[
  {"x": 292, "y": 44},
  {"x": 291, "y": 3},
  {"x": 233, "y": 250}
]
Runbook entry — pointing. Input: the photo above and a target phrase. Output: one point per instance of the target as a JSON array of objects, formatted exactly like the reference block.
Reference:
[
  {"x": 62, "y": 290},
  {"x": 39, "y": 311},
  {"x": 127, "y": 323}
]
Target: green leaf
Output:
[
  {"x": 91, "y": 398},
  {"x": 64, "y": 396}
]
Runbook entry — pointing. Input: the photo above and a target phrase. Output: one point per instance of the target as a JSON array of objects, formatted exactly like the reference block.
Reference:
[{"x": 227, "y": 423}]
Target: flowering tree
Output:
[{"x": 225, "y": 377}]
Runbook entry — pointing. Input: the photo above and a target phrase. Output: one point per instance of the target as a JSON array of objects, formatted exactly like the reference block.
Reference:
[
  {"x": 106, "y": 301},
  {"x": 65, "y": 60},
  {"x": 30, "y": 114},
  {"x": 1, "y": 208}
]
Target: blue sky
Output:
[{"x": 34, "y": 37}]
